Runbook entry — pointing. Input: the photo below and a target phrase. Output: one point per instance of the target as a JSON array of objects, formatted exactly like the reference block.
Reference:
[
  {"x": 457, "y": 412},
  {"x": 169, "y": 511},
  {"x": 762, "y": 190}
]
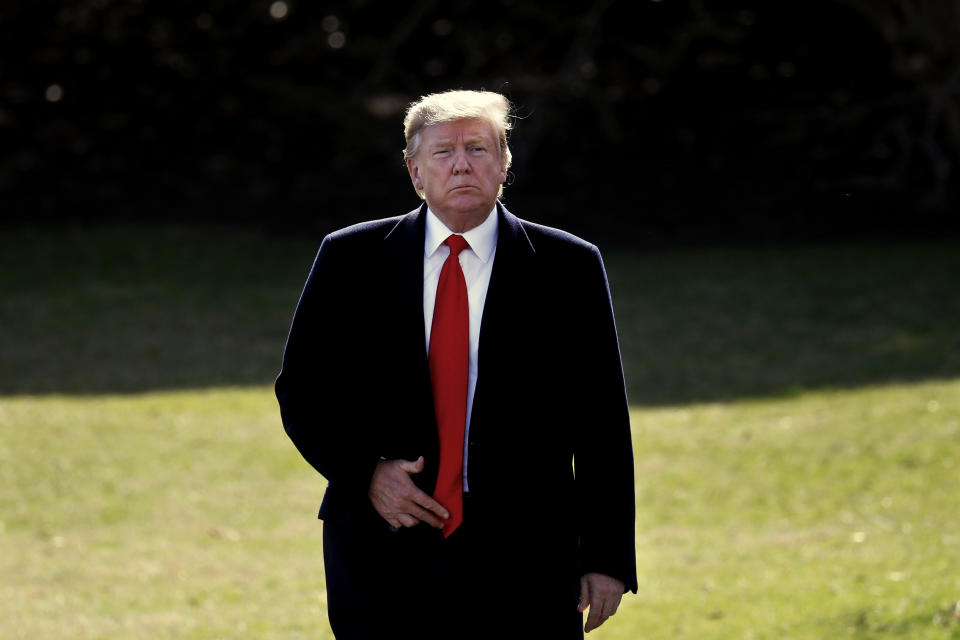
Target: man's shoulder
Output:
[
  {"x": 369, "y": 229},
  {"x": 552, "y": 234},
  {"x": 548, "y": 241}
]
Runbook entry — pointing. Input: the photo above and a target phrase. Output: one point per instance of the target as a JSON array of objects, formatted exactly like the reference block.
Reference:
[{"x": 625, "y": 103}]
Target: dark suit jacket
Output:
[{"x": 355, "y": 387}]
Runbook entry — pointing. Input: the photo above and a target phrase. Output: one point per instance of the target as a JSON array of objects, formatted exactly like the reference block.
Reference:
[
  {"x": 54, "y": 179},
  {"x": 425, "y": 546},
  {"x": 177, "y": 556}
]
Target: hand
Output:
[
  {"x": 602, "y": 594},
  {"x": 398, "y": 500}
]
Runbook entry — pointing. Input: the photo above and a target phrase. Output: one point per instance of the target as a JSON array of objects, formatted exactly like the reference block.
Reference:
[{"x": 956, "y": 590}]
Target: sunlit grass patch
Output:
[
  {"x": 182, "y": 515},
  {"x": 828, "y": 514},
  {"x": 831, "y": 514}
]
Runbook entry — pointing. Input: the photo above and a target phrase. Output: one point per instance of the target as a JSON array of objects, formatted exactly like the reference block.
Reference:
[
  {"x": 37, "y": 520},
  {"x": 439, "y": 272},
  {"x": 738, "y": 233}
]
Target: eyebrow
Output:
[{"x": 447, "y": 142}]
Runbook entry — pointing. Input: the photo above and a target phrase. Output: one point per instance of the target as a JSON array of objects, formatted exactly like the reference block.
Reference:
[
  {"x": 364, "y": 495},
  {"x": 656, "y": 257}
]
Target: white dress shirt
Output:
[{"x": 477, "y": 264}]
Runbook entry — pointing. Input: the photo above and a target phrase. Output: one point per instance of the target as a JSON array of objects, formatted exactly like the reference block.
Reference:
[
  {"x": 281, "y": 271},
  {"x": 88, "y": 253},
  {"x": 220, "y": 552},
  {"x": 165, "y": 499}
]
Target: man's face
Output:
[{"x": 459, "y": 169}]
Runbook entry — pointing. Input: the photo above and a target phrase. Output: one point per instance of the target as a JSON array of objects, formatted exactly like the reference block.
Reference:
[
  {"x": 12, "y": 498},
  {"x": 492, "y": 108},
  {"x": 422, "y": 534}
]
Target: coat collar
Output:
[
  {"x": 512, "y": 268},
  {"x": 512, "y": 234},
  {"x": 407, "y": 235}
]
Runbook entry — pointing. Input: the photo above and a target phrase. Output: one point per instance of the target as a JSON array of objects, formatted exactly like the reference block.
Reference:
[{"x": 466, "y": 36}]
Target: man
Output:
[{"x": 445, "y": 371}]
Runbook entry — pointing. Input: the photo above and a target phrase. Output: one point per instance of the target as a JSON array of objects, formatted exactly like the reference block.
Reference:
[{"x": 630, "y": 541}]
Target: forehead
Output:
[{"x": 470, "y": 128}]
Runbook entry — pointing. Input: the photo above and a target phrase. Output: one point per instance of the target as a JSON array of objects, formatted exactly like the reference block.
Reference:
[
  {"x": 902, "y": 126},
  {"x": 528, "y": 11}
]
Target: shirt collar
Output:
[{"x": 482, "y": 238}]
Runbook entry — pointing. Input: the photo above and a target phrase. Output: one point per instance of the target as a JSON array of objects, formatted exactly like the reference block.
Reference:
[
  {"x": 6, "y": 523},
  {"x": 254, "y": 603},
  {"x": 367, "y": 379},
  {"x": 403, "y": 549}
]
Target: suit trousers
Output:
[{"x": 413, "y": 583}]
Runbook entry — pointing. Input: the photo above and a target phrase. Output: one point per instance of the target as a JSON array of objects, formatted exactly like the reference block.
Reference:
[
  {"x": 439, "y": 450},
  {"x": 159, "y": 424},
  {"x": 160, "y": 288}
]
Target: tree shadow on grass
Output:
[
  {"x": 121, "y": 309},
  {"x": 127, "y": 310},
  {"x": 716, "y": 324}
]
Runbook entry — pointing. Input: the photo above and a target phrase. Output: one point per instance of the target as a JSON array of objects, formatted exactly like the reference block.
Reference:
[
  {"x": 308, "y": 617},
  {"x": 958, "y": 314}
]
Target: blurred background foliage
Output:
[{"x": 660, "y": 120}]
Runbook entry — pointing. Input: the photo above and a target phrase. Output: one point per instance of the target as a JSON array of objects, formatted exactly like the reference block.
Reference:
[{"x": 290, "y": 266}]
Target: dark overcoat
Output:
[{"x": 550, "y": 460}]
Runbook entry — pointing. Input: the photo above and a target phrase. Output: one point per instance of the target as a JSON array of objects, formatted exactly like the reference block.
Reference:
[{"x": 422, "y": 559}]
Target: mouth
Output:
[{"x": 463, "y": 187}]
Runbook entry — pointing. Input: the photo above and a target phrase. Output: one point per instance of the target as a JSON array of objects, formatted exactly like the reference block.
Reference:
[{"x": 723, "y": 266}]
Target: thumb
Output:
[
  {"x": 412, "y": 467},
  {"x": 584, "y": 594}
]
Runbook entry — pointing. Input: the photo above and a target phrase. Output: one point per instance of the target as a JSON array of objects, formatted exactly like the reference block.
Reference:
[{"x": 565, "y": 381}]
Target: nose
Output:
[{"x": 460, "y": 163}]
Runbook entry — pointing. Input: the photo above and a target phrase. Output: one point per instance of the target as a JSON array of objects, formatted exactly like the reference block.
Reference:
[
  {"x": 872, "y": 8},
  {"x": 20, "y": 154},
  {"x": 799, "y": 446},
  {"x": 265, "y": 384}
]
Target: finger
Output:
[
  {"x": 430, "y": 504},
  {"x": 425, "y": 516},
  {"x": 407, "y": 520},
  {"x": 603, "y": 611},
  {"x": 593, "y": 618},
  {"x": 607, "y": 605},
  {"x": 414, "y": 466},
  {"x": 584, "y": 594},
  {"x": 596, "y": 616}
]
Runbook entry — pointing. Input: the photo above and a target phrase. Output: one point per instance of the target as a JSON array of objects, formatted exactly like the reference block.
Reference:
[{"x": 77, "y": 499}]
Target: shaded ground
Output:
[
  {"x": 127, "y": 309},
  {"x": 725, "y": 323}
]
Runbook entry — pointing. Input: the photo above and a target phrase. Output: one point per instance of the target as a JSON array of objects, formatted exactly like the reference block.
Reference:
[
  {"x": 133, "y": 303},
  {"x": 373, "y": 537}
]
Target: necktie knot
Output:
[{"x": 456, "y": 244}]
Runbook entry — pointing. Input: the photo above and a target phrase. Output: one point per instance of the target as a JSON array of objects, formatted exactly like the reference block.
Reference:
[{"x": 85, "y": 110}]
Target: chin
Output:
[{"x": 467, "y": 205}]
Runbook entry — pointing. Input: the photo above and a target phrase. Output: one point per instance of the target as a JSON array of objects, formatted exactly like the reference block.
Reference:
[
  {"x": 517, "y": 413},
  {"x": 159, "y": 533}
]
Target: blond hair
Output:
[{"x": 458, "y": 105}]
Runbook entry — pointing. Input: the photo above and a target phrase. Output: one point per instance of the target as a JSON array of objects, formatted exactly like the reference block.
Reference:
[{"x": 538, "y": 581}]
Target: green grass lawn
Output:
[{"x": 796, "y": 420}]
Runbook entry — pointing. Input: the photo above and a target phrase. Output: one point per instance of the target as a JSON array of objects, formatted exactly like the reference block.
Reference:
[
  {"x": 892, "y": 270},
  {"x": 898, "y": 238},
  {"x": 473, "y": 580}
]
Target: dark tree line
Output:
[
  {"x": 923, "y": 37},
  {"x": 663, "y": 119}
]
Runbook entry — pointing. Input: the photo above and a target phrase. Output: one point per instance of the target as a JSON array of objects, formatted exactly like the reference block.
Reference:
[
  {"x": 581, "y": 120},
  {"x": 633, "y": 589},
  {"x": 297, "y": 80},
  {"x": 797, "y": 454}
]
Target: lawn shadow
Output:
[
  {"x": 716, "y": 324},
  {"x": 116, "y": 310},
  {"x": 122, "y": 309}
]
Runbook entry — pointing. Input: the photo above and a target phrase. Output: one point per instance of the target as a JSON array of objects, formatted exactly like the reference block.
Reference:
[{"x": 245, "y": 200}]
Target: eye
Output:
[{"x": 441, "y": 152}]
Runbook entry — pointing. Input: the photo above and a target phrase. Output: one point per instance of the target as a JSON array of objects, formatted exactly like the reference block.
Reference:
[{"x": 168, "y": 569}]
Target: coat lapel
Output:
[
  {"x": 510, "y": 279},
  {"x": 511, "y": 266},
  {"x": 403, "y": 274},
  {"x": 510, "y": 285}
]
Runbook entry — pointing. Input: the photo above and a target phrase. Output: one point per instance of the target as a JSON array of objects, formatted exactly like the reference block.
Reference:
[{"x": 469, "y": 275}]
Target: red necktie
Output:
[{"x": 449, "y": 365}]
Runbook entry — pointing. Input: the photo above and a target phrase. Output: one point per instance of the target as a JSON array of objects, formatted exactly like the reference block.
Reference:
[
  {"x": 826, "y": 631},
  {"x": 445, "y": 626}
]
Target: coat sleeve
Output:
[
  {"x": 603, "y": 454},
  {"x": 317, "y": 405}
]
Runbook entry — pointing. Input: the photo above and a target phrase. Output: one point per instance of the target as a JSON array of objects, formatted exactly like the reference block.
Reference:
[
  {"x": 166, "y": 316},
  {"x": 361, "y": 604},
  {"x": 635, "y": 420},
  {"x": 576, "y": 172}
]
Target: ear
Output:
[{"x": 414, "y": 170}]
